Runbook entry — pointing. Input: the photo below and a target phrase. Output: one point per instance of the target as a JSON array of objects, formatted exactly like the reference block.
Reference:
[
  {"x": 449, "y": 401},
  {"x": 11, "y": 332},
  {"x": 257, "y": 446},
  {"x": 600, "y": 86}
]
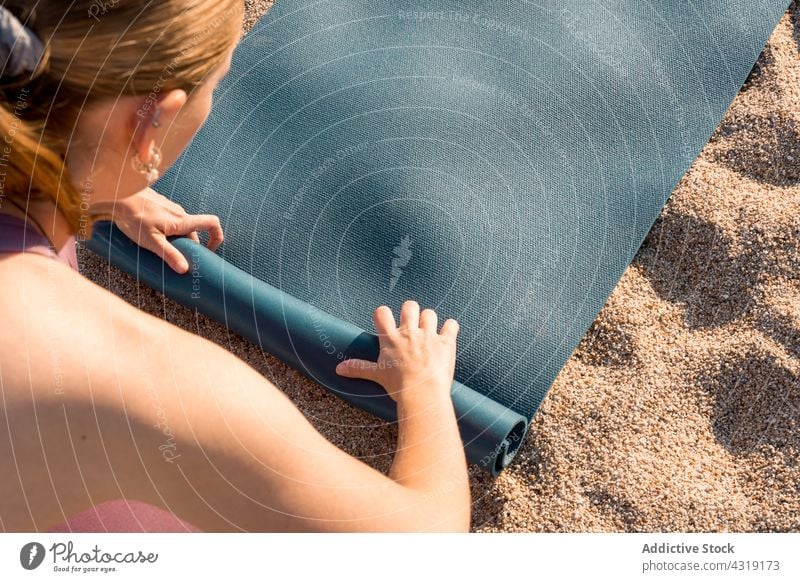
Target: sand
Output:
[{"x": 680, "y": 410}]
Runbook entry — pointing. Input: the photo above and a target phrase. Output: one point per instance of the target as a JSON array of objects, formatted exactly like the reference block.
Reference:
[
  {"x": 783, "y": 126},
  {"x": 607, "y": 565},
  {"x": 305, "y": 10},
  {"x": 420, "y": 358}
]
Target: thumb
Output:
[{"x": 362, "y": 369}]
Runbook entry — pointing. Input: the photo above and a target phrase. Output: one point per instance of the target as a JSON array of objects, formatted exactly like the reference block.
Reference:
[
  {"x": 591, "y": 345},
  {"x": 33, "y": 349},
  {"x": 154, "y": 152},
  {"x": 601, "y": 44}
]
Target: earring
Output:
[
  {"x": 150, "y": 169},
  {"x": 154, "y": 120}
]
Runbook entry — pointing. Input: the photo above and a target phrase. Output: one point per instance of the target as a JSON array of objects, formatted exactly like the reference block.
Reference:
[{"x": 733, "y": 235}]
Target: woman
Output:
[{"x": 102, "y": 402}]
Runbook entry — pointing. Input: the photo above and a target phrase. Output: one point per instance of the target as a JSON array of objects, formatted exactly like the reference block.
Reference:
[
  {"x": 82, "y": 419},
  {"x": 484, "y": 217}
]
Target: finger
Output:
[
  {"x": 428, "y": 320},
  {"x": 361, "y": 369},
  {"x": 384, "y": 320},
  {"x": 450, "y": 329},
  {"x": 194, "y": 236},
  {"x": 204, "y": 222},
  {"x": 210, "y": 223},
  {"x": 172, "y": 256},
  {"x": 409, "y": 315}
]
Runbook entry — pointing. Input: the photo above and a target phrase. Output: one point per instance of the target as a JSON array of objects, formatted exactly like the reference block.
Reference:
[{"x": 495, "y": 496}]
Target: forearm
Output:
[{"x": 430, "y": 458}]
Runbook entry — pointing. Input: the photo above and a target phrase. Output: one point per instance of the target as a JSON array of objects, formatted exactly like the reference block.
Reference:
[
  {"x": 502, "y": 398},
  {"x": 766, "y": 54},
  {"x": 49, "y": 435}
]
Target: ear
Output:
[{"x": 152, "y": 119}]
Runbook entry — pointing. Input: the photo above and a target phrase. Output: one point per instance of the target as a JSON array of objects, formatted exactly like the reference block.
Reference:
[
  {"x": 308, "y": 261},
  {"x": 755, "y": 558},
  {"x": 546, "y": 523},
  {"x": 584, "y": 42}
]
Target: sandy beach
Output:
[{"x": 680, "y": 410}]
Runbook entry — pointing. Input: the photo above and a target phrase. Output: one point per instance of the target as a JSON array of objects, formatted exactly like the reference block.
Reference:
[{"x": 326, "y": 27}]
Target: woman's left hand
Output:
[{"x": 148, "y": 218}]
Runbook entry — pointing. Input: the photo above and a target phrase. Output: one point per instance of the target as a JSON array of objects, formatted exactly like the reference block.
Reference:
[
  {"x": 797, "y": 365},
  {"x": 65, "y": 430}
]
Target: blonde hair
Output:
[{"x": 96, "y": 50}]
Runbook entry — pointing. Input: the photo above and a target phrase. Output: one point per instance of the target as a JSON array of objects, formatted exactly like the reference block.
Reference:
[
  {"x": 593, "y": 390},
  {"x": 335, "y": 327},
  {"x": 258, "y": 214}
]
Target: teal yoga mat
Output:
[{"x": 500, "y": 162}]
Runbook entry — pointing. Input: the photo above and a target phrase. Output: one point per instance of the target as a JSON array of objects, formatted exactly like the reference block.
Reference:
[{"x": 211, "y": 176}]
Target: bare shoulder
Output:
[
  {"x": 37, "y": 291},
  {"x": 58, "y": 322},
  {"x": 76, "y": 340},
  {"x": 101, "y": 399}
]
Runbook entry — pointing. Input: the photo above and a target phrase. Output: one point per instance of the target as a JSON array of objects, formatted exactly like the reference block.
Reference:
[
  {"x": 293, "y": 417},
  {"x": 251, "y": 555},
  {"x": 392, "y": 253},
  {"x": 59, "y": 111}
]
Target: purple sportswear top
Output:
[
  {"x": 123, "y": 515},
  {"x": 20, "y": 236}
]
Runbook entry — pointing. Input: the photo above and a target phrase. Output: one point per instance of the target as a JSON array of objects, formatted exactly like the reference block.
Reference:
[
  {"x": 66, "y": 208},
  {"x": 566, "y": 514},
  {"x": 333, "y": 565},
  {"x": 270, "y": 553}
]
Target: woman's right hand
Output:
[{"x": 416, "y": 362}]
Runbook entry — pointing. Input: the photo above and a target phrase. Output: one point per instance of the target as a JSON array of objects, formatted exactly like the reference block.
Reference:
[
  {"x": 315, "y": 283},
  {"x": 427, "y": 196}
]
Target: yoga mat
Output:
[{"x": 500, "y": 162}]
